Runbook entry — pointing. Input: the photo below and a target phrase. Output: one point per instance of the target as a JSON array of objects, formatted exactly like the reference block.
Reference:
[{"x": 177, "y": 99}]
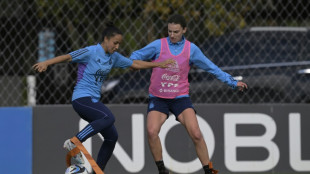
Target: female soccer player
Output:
[
  {"x": 94, "y": 64},
  {"x": 169, "y": 89}
]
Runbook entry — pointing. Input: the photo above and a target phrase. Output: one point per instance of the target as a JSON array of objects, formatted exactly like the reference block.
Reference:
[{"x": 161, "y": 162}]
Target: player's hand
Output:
[
  {"x": 242, "y": 86},
  {"x": 165, "y": 63},
  {"x": 40, "y": 67}
]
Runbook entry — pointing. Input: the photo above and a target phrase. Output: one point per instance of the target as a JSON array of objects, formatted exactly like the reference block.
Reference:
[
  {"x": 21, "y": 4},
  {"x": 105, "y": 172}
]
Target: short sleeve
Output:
[
  {"x": 121, "y": 61},
  {"x": 81, "y": 55}
]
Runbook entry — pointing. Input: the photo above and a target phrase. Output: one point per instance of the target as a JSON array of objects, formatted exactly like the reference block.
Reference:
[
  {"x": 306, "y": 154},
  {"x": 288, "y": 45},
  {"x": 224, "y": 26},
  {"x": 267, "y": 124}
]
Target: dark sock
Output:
[
  {"x": 161, "y": 166},
  {"x": 206, "y": 169},
  {"x": 209, "y": 169}
]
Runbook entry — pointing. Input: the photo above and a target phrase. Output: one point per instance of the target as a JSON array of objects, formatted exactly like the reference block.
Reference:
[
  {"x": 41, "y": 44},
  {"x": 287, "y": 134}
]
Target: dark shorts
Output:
[{"x": 175, "y": 106}]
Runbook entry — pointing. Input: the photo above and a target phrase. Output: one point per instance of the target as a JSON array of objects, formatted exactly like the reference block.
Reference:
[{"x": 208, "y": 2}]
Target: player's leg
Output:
[
  {"x": 186, "y": 114},
  {"x": 157, "y": 115},
  {"x": 155, "y": 120},
  {"x": 98, "y": 116},
  {"x": 189, "y": 120},
  {"x": 106, "y": 150}
]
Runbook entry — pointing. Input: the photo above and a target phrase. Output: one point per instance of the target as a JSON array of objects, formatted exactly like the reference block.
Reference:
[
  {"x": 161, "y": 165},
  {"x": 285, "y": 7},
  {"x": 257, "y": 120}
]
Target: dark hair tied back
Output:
[{"x": 110, "y": 30}]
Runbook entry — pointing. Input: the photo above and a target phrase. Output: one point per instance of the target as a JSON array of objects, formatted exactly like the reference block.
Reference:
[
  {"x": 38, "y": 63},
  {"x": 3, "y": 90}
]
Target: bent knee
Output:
[
  {"x": 103, "y": 122},
  {"x": 196, "y": 136},
  {"x": 112, "y": 138},
  {"x": 152, "y": 132}
]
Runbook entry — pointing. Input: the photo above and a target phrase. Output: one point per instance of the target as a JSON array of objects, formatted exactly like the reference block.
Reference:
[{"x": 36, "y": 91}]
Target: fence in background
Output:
[{"x": 264, "y": 43}]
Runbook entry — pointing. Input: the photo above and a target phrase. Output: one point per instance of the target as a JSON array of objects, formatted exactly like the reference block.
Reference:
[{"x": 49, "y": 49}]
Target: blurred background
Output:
[{"x": 264, "y": 43}]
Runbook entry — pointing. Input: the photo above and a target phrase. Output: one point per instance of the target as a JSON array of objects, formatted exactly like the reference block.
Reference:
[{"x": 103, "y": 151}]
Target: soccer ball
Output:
[{"x": 76, "y": 169}]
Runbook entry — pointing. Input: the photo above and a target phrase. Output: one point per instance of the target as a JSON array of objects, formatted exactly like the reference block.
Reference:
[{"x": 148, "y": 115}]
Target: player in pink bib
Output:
[
  {"x": 169, "y": 89},
  {"x": 171, "y": 82}
]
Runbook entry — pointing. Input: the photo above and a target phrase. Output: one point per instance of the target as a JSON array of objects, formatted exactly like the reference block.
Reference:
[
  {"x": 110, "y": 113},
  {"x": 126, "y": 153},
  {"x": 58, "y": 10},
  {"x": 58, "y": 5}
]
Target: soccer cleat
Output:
[{"x": 77, "y": 159}]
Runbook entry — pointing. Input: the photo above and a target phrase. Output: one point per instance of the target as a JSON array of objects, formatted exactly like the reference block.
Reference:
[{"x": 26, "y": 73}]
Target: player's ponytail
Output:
[{"x": 110, "y": 30}]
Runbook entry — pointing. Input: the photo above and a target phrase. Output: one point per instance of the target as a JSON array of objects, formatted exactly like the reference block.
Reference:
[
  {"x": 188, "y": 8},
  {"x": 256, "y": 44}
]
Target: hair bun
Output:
[{"x": 110, "y": 24}]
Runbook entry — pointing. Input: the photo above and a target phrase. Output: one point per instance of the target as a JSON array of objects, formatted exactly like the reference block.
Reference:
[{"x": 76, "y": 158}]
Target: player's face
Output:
[
  {"x": 111, "y": 45},
  {"x": 175, "y": 32}
]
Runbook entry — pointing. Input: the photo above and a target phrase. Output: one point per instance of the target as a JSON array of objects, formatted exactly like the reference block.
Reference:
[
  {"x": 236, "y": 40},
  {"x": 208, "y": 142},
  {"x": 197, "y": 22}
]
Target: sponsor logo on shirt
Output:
[
  {"x": 100, "y": 75},
  {"x": 168, "y": 90},
  {"x": 170, "y": 77}
]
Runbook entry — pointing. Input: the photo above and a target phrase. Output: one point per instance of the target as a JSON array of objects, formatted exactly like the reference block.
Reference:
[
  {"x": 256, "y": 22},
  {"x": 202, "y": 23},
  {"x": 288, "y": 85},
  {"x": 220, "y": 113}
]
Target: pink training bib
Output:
[{"x": 172, "y": 81}]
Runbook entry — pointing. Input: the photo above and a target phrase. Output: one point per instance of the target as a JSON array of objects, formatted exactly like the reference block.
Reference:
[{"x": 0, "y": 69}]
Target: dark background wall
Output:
[{"x": 53, "y": 125}]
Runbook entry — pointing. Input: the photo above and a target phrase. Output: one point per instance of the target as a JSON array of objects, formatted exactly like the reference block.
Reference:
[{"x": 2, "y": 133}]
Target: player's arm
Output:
[
  {"x": 123, "y": 62},
  {"x": 149, "y": 52},
  {"x": 42, "y": 66},
  {"x": 200, "y": 60},
  {"x": 139, "y": 64}
]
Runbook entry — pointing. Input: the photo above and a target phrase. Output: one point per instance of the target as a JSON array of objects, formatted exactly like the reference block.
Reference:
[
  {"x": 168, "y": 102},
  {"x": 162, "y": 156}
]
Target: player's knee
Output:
[
  {"x": 152, "y": 133},
  {"x": 111, "y": 141},
  {"x": 111, "y": 119},
  {"x": 111, "y": 135},
  {"x": 197, "y": 136},
  {"x": 107, "y": 121},
  {"x": 114, "y": 137}
]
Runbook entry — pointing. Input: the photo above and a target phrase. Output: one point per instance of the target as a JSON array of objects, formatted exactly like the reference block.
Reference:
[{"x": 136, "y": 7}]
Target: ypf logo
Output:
[{"x": 100, "y": 75}]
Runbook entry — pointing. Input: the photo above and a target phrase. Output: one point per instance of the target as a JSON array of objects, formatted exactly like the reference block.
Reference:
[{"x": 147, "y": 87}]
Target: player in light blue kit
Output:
[
  {"x": 169, "y": 89},
  {"x": 94, "y": 64}
]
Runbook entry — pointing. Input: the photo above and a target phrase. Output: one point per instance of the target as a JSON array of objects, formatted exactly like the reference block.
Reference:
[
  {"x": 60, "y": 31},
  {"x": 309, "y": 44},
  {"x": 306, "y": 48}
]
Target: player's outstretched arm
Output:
[
  {"x": 42, "y": 66},
  {"x": 139, "y": 64}
]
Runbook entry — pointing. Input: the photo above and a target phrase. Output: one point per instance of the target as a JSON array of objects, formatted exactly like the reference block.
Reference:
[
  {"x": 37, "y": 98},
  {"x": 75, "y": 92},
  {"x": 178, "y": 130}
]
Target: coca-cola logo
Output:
[{"x": 170, "y": 77}]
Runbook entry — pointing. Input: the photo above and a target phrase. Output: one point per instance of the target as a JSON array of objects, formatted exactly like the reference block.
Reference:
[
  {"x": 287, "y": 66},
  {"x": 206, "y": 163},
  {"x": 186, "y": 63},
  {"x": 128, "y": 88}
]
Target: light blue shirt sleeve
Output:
[
  {"x": 82, "y": 55},
  {"x": 149, "y": 52},
  {"x": 201, "y": 61},
  {"x": 152, "y": 52},
  {"x": 121, "y": 61}
]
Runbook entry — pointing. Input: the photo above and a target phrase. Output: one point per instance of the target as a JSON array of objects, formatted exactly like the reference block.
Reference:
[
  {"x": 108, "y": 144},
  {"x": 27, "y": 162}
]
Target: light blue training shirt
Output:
[
  {"x": 152, "y": 52},
  {"x": 94, "y": 65}
]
